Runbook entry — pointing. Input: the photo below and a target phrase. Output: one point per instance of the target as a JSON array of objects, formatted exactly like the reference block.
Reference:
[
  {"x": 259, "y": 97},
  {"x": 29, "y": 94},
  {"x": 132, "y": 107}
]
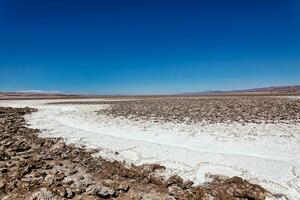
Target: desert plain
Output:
[{"x": 155, "y": 147}]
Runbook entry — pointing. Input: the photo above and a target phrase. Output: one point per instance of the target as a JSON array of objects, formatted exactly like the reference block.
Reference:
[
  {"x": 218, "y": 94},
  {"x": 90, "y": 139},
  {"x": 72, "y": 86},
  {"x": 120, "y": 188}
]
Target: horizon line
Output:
[{"x": 57, "y": 92}]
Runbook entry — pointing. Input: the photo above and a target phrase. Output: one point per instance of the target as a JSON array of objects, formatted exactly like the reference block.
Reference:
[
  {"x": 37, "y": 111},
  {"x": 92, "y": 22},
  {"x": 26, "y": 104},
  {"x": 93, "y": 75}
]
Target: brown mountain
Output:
[{"x": 290, "y": 90}]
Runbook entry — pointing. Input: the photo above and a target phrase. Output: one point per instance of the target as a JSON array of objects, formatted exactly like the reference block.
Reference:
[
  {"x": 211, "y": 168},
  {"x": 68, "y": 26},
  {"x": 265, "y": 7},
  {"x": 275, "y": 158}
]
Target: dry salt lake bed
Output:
[{"x": 256, "y": 138}]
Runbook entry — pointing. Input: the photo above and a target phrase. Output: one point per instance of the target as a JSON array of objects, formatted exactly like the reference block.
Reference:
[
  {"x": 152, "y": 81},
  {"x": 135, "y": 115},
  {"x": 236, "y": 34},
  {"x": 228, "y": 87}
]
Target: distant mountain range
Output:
[
  {"x": 37, "y": 94},
  {"x": 33, "y": 95},
  {"x": 264, "y": 90}
]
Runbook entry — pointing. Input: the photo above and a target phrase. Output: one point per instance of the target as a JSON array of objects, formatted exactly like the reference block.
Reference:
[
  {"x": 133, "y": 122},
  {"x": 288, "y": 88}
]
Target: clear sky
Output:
[{"x": 128, "y": 47}]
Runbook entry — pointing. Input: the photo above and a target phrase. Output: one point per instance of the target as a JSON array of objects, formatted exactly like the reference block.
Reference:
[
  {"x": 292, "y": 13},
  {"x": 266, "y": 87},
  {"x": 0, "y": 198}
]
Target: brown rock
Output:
[
  {"x": 60, "y": 176},
  {"x": 2, "y": 185},
  {"x": 101, "y": 191},
  {"x": 175, "y": 180},
  {"x": 157, "y": 180},
  {"x": 42, "y": 194}
]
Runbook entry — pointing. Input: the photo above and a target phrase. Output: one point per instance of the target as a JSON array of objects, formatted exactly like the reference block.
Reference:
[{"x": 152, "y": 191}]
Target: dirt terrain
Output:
[
  {"x": 206, "y": 110},
  {"x": 42, "y": 168}
]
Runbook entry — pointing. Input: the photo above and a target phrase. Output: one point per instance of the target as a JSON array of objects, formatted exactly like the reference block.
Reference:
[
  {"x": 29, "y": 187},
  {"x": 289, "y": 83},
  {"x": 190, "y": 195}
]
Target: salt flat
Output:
[{"x": 267, "y": 154}]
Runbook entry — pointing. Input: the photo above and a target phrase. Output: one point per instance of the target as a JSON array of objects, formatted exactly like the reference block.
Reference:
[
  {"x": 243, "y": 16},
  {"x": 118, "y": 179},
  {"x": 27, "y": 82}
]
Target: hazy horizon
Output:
[{"x": 35, "y": 91}]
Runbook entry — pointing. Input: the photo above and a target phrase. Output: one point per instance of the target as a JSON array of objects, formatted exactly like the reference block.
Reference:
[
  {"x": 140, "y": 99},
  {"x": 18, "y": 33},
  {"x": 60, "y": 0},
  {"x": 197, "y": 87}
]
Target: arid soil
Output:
[
  {"x": 209, "y": 109},
  {"x": 44, "y": 169}
]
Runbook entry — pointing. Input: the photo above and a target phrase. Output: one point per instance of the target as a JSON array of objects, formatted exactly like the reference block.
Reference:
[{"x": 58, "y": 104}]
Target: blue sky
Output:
[{"x": 148, "y": 47}]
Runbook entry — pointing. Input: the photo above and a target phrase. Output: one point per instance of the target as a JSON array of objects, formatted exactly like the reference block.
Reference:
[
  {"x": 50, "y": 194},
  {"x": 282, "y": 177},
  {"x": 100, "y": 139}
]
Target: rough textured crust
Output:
[
  {"x": 209, "y": 109},
  {"x": 42, "y": 168}
]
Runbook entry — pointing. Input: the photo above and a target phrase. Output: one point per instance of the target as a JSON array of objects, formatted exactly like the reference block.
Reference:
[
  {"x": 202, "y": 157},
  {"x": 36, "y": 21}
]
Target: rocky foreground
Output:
[
  {"x": 37, "y": 168},
  {"x": 208, "y": 110}
]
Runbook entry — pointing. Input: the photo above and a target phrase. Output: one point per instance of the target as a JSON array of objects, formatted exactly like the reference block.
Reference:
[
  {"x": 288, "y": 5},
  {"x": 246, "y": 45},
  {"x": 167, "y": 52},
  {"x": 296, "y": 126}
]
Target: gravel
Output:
[{"x": 208, "y": 110}]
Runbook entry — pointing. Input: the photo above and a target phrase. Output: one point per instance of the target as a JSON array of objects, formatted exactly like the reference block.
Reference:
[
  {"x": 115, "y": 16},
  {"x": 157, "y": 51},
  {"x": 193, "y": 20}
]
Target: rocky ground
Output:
[
  {"x": 37, "y": 168},
  {"x": 208, "y": 110}
]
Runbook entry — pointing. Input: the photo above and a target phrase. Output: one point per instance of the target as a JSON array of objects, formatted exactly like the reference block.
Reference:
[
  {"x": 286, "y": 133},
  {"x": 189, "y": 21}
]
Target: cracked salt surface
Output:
[{"x": 266, "y": 154}]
